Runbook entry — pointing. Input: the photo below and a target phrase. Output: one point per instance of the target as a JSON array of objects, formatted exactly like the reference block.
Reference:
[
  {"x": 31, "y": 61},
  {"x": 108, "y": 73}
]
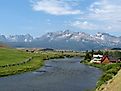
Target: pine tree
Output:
[{"x": 87, "y": 56}]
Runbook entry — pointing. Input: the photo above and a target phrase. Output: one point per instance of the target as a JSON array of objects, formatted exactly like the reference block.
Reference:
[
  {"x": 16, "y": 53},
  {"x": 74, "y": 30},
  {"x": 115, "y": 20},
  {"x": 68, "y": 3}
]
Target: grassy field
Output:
[
  {"x": 13, "y": 61},
  {"x": 35, "y": 63},
  {"x": 10, "y": 56}
]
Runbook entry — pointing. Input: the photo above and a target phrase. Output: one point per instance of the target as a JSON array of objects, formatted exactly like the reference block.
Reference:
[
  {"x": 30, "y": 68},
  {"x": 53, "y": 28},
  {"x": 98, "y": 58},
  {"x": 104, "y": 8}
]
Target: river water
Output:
[{"x": 57, "y": 75}]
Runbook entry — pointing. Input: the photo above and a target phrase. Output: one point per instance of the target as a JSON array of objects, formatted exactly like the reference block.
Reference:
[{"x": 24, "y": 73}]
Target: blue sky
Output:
[{"x": 37, "y": 17}]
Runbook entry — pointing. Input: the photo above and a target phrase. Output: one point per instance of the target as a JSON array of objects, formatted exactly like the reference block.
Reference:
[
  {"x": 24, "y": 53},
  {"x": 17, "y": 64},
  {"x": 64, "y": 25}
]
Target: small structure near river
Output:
[
  {"x": 96, "y": 59},
  {"x": 104, "y": 59}
]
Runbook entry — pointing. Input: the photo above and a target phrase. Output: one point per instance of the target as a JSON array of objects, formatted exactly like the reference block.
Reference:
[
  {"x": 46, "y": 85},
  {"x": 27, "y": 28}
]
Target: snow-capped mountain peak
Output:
[{"x": 67, "y": 38}]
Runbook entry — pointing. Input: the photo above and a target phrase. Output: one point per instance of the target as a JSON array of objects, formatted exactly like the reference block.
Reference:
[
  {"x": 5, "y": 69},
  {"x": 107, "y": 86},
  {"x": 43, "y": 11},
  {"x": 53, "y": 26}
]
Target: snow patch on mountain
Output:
[{"x": 67, "y": 38}]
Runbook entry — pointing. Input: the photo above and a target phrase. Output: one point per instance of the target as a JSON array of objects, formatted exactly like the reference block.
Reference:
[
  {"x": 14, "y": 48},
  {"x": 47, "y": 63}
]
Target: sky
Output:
[{"x": 38, "y": 17}]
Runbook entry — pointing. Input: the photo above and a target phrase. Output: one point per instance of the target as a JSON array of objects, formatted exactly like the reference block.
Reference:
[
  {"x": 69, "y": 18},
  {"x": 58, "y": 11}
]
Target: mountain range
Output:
[{"x": 64, "y": 40}]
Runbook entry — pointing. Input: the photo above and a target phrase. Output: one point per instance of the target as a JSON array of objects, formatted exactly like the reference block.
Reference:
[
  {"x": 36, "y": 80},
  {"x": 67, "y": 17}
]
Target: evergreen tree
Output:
[
  {"x": 87, "y": 56},
  {"x": 92, "y": 53},
  {"x": 100, "y": 52},
  {"x": 106, "y": 53}
]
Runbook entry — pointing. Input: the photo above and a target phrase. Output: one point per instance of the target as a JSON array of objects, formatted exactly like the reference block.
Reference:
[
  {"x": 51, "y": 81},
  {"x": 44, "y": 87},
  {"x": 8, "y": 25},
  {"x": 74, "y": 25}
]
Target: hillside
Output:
[{"x": 113, "y": 85}]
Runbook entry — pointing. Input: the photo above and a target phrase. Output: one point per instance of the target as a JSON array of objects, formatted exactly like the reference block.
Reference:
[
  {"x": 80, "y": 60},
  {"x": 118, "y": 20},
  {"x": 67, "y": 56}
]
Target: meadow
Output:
[{"x": 13, "y": 61}]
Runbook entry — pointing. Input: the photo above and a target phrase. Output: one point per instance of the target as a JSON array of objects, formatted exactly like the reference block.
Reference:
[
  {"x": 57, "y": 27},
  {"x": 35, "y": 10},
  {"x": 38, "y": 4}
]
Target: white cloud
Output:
[
  {"x": 102, "y": 15},
  {"x": 84, "y": 25},
  {"x": 108, "y": 13},
  {"x": 55, "y": 7},
  {"x": 105, "y": 10}
]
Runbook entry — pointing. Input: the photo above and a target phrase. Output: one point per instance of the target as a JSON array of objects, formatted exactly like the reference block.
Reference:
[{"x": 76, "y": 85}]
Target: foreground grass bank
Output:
[
  {"x": 113, "y": 85},
  {"x": 14, "y": 61},
  {"x": 109, "y": 71}
]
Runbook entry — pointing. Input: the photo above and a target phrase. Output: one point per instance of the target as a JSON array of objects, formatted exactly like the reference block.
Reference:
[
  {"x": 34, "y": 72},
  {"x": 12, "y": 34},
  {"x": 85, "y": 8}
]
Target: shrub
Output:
[
  {"x": 112, "y": 71},
  {"x": 106, "y": 77}
]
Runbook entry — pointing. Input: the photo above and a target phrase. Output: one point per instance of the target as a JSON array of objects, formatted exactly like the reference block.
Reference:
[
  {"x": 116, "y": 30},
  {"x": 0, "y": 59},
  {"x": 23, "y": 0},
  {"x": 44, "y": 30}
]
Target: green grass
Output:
[
  {"x": 9, "y": 56},
  {"x": 35, "y": 63},
  {"x": 109, "y": 71}
]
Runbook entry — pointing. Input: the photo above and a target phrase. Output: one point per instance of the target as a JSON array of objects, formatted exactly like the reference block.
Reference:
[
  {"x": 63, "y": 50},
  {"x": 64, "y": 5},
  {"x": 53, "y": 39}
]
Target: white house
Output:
[{"x": 96, "y": 58}]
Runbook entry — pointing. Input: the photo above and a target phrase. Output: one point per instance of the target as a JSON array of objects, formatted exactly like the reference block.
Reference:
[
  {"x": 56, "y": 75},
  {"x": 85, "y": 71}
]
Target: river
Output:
[{"x": 57, "y": 75}]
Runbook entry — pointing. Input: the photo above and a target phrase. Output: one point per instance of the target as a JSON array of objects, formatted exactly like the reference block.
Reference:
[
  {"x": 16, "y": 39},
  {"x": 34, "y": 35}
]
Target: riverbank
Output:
[
  {"x": 65, "y": 74},
  {"x": 109, "y": 72},
  {"x": 35, "y": 63},
  {"x": 16, "y": 61},
  {"x": 112, "y": 85}
]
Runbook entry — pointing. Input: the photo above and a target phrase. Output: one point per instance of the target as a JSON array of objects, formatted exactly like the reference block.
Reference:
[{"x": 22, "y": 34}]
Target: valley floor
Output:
[
  {"x": 113, "y": 84},
  {"x": 13, "y": 61}
]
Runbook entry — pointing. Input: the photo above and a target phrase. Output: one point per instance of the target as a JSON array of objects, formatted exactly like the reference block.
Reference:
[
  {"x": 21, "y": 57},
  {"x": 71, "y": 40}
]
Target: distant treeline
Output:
[{"x": 116, "y": 49}]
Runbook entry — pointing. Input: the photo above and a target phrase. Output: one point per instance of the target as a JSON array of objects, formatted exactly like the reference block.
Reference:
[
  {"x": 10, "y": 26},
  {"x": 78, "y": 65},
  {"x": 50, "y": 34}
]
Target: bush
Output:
[
  {"x": 112, "y": 71},
  {"x": 84, "y": 61},
  {"x": 99, "y": 83},
  {"x": 106, "y": 77}
]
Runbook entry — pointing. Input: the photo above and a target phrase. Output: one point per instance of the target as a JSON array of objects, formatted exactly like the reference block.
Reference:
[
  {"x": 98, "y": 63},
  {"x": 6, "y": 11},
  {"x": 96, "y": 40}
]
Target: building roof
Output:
[
  {"x": 98, "y": 56},
  {"x": 104, "y": 57}
]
